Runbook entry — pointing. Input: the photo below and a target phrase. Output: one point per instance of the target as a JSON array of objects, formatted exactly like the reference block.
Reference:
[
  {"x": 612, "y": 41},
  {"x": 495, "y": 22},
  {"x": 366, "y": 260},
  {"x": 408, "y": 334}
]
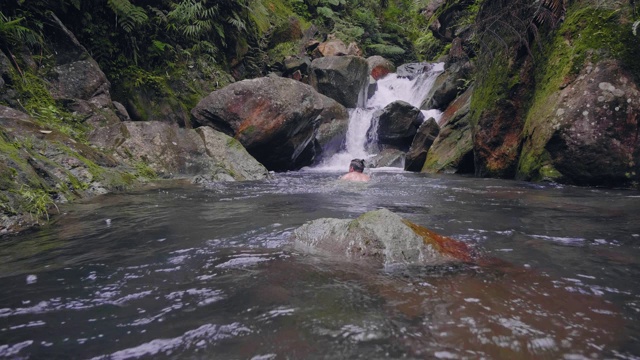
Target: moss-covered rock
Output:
[
  {"x": 452, "y": 150},
  {"x": 42, "y": 167},
  {"x": 162, "y": 149},
  {"x": 585, "y": 111},
  {"x": 381, "y": 237}
]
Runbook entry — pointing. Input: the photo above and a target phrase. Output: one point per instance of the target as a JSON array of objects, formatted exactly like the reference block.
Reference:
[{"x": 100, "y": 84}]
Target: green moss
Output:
[
  {"x": 492, "y": 86},
  {"x": 281, "y": 51},
  {"x": 248, "y": 130},
  {"x": 93, "y": 168},
  {"x": 38, "y": 102},
  {"x": 145, "y": 171},
  {"x": 76, "y": 183},
  {"x": 598, "y": 33},
  {"x": 7, "y": 176},
  {"x": 234, "y": 144},
  {"x": 548, "y": 172},
  {"x": 391, "y": 52},
  {"x": 35, "y": 201},
  {"x": 9, "y": 152}
]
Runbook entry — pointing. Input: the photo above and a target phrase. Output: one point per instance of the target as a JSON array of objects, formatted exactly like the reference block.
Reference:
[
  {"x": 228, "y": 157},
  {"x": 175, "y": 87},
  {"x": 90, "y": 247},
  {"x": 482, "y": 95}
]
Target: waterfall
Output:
[{"x": 390, "y": 88}]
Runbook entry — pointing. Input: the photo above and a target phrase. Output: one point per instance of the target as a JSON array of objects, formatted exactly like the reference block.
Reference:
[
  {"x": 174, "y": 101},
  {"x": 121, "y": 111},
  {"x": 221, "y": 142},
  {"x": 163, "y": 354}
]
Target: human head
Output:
[{"x": 357, "y": 165}]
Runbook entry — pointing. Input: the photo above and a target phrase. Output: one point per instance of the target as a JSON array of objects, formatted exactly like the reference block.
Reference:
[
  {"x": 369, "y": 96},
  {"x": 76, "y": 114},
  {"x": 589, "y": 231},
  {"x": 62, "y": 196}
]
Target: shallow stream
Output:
[{"x": 209, "y": 273}]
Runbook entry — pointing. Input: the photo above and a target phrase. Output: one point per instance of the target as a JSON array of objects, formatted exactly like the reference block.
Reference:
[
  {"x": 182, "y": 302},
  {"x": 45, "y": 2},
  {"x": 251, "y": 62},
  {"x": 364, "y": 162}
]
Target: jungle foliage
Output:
[{"x": 172, "y": 34}]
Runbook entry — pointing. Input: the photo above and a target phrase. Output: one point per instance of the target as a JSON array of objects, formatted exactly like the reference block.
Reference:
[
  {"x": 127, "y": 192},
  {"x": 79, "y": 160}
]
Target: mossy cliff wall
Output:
[{"x": 563, "y": 105}]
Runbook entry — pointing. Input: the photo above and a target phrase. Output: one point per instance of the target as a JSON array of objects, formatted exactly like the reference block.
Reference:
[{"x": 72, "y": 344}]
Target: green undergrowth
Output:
[
  {"x": 36, "y": 202},
  {"x": 36, "y": 100}
]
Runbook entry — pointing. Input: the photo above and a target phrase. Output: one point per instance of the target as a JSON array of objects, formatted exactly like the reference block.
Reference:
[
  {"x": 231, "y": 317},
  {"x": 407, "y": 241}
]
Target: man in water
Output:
[{"x": 355, "y": 171}]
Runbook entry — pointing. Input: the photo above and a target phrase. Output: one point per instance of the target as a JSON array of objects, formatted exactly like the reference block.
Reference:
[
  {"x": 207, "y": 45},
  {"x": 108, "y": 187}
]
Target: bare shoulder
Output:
[{"x": 355, "y": 176}]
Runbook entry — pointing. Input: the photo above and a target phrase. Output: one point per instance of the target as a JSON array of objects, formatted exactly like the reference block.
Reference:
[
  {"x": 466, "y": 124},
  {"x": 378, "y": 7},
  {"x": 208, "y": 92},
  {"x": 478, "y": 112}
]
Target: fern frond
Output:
[
  {"x": 237, "y": 22},
  {"x": 160, "y": 16},
  {"x": 130, "y": 15}
]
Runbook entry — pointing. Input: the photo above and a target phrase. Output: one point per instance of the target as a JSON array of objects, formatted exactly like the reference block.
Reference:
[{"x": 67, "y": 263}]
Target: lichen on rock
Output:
[{"x": 382, "y": 237}]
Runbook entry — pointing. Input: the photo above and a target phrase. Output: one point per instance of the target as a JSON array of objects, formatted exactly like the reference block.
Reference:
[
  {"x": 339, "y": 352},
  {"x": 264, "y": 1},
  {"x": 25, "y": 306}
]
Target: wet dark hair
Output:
[{"x": 357, "y": 165}]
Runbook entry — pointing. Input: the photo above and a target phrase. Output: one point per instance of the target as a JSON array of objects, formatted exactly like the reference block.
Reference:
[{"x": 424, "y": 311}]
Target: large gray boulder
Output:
[
  {"x": 331, "y": 47},
  {"x": 417, "y": 154},
  {"x": 76, "y": 74},
  {"x": 587, "y": 132},
  {"x": 274, "y": 118},
  {"x": 77, "y": 79},
  {"x": 379, "y": 237},
  {"x": 342, "y": 78},
  {"x": 396, "y": 125},
  {"x": 173, "y": 152},
  {"x": 387, "y": 158}
]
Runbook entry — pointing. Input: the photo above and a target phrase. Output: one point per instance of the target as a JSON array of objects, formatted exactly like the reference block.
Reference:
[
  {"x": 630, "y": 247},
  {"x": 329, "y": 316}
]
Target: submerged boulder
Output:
[
  {"x": 342, "y": 78},
  {"x": 387, "y": 158},
  {"x": 274, "y": 118},
  {"x": 380, "y": 236}
]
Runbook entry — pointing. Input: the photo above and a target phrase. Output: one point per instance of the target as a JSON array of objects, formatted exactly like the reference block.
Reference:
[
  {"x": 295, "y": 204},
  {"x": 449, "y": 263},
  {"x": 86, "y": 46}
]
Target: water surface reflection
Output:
[{"x": 208, "y": 273}]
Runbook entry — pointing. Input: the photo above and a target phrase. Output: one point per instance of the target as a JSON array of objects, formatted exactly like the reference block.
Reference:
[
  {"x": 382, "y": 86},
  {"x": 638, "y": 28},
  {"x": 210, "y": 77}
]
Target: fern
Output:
[
  {"x": 192, "y": 18},
  {"x": 75, "y": 3},
  {"x": 236, "y": 22},
  {"x": 13, "y": 34},
  {"x": 129, "y": 15},
  {"x": 159, "y": 16}
]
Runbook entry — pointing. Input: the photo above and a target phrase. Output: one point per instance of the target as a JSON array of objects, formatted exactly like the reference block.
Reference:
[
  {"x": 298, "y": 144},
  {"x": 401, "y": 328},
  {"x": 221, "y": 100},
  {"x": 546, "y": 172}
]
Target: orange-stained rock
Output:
[
  {"x": 447, "y": 246},
  {"x": 274, "y": 118},
  {"x": 379, "y": 67},
  {"x": 382, "y": 237}
]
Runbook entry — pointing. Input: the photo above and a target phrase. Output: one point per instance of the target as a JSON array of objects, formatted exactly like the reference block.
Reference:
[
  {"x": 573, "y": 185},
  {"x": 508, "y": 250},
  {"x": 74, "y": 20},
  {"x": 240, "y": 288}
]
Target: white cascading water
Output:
[{"x": 390, "y": 88}]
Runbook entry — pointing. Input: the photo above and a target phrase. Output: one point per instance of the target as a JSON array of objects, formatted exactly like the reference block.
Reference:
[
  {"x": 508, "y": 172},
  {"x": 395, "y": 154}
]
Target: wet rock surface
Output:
[
  {"x": 274, "y": 118},
  {"x": 172, "y": 152},
  {"x": 342, "y": 78},
  {"x": 380, "y": 236}
]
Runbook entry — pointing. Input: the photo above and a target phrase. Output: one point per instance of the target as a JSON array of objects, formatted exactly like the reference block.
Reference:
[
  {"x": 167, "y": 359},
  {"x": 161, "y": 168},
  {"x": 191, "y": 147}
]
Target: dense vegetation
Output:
[{"x": 144, "y": 39}]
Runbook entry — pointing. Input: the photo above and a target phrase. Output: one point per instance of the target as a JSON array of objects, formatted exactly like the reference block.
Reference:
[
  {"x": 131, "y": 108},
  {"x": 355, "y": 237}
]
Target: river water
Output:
[
  {"x": 210, "y": 273},
  {"x": 178, "y": 271}
]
